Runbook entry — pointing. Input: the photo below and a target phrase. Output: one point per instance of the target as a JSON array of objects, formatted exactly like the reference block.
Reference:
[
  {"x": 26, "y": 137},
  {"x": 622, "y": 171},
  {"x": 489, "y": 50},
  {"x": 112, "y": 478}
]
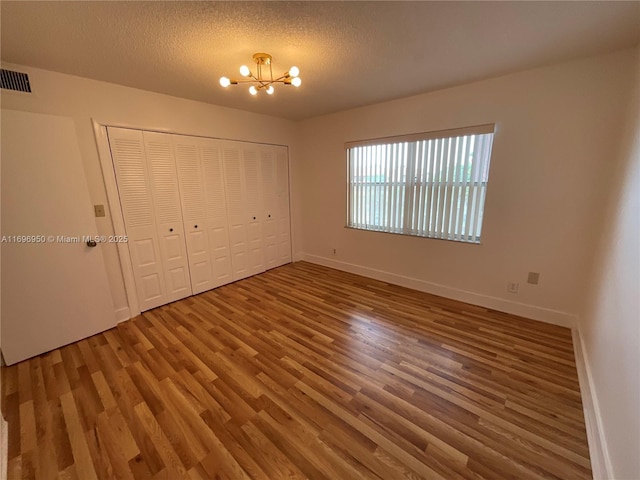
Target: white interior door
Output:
[
  {"x": 284, "y": 220},
  {"x": 134, "y": 188},
  {"x": 216, "y": 211},
  {"x": 192, "y": 196},
  {"x": 270, "y": 204},
  {"x": 161, "y": 164},
  {"x": 54, "y": 292},
  {"x": 254, "y": 211},
  {"x": 236, "y": 209}
]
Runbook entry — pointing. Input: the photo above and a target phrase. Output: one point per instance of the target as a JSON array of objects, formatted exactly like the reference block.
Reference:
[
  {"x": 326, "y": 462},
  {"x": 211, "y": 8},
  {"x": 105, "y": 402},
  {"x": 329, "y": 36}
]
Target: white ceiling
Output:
[{"x": 349, "y": 53}]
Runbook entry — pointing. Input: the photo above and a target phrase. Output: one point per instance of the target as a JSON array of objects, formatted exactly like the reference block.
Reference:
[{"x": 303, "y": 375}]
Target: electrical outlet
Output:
[
  {"x": 334, "y": 251},
  {"x": 512, "y": 287},
  {"x": 533, "y": 278}
]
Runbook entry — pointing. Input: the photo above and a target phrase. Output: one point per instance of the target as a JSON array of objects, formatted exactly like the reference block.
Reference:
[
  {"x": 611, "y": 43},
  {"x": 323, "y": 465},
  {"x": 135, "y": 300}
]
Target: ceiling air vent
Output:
[{"x": 11, "y": 80}]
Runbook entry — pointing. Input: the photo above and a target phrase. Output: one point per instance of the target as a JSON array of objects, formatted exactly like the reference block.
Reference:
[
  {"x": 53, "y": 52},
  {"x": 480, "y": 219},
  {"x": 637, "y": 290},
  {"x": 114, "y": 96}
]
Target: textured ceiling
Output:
[{"x": 349, "y": 53}]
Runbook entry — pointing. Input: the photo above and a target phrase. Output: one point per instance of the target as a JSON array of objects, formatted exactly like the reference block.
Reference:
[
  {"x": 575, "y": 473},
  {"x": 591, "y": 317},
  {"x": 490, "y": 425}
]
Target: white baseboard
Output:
[
  {"x": 4, "y": 448},
  {"x": 533, "y": 312},
  {"x": 600, "y": 460},
  {"x": 123, "y": 314}
]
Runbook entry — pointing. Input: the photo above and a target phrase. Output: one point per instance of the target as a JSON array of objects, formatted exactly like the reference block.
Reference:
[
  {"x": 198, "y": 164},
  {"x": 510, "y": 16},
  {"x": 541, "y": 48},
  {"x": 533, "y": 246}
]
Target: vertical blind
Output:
[{"x": 429, "y": 185}]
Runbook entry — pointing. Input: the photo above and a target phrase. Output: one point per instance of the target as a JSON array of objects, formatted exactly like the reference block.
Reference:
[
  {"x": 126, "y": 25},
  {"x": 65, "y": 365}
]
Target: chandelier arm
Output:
[
  {"x": 257, "y": 79},
  {"x": 264, "y": 83}
]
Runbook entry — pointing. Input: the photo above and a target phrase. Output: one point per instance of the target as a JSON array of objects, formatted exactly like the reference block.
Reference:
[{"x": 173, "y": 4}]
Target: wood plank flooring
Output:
[{"x": 303, "y": 372}]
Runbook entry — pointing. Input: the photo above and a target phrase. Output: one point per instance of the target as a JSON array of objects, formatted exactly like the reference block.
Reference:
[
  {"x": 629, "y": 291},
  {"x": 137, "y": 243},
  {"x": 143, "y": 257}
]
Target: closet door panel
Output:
[
  {"x": 199, "y": 262},
  {"x": 127, "y": 151},
  {"x": 219, "y": 242},
  {"x": 284, "y": 222},
  {"x": 192, "y": 196},
  {"x": 270, "y": 203},
  {"x": 236, "y": 209},
  {"x": 216, "y": 211},
  {"x": 148, "y": 272},
  {"x": 254, "y": 218},
  {"x": 161, "y": 165},
  {"x": 176, "y": 267}
]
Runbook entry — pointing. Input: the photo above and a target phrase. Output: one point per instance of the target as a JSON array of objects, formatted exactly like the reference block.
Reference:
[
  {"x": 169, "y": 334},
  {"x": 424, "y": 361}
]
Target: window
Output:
[{"x": 428, "y": 185}]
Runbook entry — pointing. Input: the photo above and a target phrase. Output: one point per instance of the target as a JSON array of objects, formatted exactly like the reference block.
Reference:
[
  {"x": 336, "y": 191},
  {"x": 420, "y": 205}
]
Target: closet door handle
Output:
[
  {"x": 171, "y": 229},
  {"x": 254, "y": 218},
  {"x": 195, "y": 226},
  {"x": 269, "y": 216}
]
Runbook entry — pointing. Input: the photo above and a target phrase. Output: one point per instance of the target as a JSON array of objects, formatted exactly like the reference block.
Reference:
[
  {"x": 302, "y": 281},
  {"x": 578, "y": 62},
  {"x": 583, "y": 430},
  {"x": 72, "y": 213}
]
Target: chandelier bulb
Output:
[
  {"x": 253, "y": 90},
  {"x": 296, "y": 81},
  {"x": 225, "y": 82},
  {"x": 244, "y": 71},
  {"x": 270, "y": 90},
  {"x": 294, "y": 71}
]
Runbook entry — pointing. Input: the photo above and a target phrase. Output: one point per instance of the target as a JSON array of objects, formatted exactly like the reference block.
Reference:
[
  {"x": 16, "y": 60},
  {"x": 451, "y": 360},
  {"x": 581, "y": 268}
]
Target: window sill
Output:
[{"x": 461, "y": 242}]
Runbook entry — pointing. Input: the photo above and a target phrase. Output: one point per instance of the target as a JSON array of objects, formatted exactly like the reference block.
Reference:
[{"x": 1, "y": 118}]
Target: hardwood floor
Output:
[{"x": 303, "y": 372}]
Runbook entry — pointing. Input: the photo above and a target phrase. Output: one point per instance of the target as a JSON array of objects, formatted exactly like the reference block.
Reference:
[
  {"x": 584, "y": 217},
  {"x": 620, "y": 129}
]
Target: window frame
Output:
[{"x": 409, "y": 185}]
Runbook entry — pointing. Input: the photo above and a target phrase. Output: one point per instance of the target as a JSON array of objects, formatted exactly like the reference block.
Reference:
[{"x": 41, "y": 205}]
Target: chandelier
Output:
[{"x": 263, "y": 78}]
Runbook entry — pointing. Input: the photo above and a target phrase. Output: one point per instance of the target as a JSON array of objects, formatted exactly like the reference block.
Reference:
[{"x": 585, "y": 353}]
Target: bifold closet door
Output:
[
  {"x": 270, "y": 206},
  {"x": 283, "y": 213},
  {"x": 192, "y": 197},
  {"x": 204, "y": 211},
  {"x": 134, "y": 187},
  {"x": 168, "y": 214},
  {"x": 199, "y": 212},
  {"x": 146, "y": 183},
  {"x": 236, "y": 208},
  {"x": 254, "y": 208},
  {"x": 216, "y": 210}
]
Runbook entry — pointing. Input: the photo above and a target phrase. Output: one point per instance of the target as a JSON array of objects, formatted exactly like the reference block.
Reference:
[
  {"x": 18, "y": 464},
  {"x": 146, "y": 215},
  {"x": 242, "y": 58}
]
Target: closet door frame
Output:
[{"x": 115, "y": 208}]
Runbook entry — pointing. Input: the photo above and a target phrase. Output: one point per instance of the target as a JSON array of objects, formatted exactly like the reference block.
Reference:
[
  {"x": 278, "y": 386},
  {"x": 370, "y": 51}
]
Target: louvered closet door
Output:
[
  {"x": 168, "y": 214},
  {"x": 270, "y": 205},
  {"x": 216, "y": 211},
  {"x": 236, "y": 209},
  {"x": 254, "y": 218},
  {"x": 192, "y": 197},
  {"x": 127, "y": 151},
  {"x": 284, "y": 223}
]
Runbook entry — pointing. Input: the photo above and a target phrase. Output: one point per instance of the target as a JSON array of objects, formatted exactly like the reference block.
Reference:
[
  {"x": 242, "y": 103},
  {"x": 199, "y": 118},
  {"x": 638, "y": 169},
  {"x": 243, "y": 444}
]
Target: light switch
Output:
[{"x": 99, "y": 209}]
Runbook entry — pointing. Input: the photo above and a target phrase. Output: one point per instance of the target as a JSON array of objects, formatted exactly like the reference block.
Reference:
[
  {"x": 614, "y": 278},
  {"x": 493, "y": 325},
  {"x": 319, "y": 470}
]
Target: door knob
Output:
[
  {"x": 269, "y": 216},
  {"x": 195, "y": 226},
  {"x": 171, "y": 229},
  {"x": 254, "y": 218},
  {"x": 91, "y": 243}
]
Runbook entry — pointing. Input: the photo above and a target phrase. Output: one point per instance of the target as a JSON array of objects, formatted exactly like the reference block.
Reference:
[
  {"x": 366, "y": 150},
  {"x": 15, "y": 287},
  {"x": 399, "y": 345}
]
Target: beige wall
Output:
[
  {"x": 84, "y": 99},
  {"x": 556, "y": 130},
  {"x": 610, "y": 321}
]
